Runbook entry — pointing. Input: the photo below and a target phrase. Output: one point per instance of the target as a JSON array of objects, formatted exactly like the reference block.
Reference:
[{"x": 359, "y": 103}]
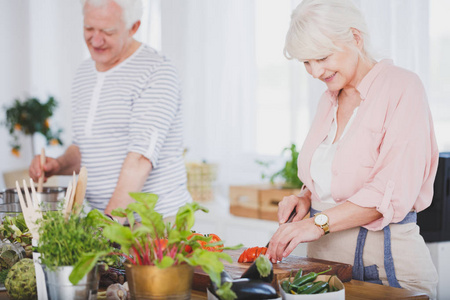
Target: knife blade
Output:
[{"x": 289, "y": 220}]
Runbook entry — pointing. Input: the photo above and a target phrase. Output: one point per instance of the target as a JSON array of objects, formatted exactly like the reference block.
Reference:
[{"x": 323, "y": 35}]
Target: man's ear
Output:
[
  {"x": 357, "y": 38},
  {"x": 135, "y": 27}
]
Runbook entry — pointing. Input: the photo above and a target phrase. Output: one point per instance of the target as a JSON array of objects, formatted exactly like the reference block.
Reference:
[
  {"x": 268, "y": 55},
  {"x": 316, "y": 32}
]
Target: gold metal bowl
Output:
[{"x": 151, "y": 282}]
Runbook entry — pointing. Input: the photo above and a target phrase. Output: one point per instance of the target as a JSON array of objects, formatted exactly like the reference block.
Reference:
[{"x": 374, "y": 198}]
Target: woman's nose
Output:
[{"x": 316, "y": 70}]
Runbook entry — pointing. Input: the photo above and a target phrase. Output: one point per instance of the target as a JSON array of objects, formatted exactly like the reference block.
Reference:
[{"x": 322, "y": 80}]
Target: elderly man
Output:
[{"x": 126, "y": 110}]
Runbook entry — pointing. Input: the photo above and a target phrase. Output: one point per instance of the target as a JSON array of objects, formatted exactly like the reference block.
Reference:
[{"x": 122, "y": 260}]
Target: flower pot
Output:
[
  {"x": 59, "y": 286},
  {"x": 151, "y": 282}
]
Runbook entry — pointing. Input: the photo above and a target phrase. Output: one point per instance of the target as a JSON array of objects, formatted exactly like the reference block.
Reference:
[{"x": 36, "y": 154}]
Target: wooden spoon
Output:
[
  {"x": 80, "y": 191},
  {"x": 40, "y": 188},
  {"x": 70, "y": 195}
]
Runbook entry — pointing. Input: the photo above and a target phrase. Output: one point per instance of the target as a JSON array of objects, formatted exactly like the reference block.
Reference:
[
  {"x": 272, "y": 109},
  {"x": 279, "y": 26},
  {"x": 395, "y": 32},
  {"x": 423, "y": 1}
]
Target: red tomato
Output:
[
  {"x": 214, "y": 239},
  {"x": 188, "y": 248},
  {"x": 250, "y": 254}
]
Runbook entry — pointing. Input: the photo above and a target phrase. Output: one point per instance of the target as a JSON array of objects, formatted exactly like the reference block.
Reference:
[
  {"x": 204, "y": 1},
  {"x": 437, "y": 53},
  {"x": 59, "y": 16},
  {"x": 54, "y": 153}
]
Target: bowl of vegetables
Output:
[{"x": 311, "y": 286}]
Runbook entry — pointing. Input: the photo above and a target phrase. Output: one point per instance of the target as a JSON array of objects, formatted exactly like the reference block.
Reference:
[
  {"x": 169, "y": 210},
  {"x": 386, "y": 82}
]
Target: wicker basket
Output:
[{"x": 200, "y": 180}]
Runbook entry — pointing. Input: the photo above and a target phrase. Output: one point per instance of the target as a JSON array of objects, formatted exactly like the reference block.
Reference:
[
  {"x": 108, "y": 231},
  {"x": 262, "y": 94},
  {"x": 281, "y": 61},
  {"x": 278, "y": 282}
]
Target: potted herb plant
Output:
[
  {"x": 29, "y": 117},
  {"x": 62, "y": 243},
  {"x": 289, "y": 171},
  {"x": 160, "y": 257}
]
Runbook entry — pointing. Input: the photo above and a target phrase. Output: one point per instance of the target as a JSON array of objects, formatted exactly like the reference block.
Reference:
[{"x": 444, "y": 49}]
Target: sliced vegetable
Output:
[
  {"x": 261, "y": 269},
  {"x": 250, "y": 254}
]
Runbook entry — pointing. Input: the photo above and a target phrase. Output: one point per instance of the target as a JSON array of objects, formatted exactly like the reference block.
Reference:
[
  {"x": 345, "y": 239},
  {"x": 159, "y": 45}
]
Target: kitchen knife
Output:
[{"x": 289, "y": 220}]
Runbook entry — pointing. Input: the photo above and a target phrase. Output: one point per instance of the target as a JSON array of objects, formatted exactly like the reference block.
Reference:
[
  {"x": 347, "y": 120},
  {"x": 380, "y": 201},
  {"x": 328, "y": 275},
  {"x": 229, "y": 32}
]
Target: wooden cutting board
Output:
[{"x": 281, "y": 270}]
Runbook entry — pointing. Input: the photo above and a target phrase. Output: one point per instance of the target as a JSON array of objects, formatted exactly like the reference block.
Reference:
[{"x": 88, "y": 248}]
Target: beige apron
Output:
[{"x": 414, "y": 268}]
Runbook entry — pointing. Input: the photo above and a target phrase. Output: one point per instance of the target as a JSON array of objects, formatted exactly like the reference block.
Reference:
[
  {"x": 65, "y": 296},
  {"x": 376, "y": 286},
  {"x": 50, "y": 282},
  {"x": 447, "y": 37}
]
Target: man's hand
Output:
[
  {"x": 51, "y": 167},
  {"x": 64, "y": 165}
]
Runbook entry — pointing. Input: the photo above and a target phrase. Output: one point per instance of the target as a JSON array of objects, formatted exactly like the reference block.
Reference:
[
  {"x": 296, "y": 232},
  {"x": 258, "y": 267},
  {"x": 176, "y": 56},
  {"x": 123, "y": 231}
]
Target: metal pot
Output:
[
  {"x": 49, "y": 194},
  {"x": 59, "y": 286},
  {"x": 151, "y": 282}
]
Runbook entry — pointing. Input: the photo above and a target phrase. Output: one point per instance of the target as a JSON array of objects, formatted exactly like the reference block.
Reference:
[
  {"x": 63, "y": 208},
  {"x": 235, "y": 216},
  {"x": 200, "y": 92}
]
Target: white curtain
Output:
[{"x": 212, "y": 45}]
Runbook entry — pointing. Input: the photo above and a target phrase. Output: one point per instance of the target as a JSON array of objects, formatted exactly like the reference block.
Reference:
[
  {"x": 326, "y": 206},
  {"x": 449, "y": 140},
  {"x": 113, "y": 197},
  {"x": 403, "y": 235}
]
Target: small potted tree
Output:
[
  {"x": 30, "y": 117},
  {"x": 160, "y": 257}
]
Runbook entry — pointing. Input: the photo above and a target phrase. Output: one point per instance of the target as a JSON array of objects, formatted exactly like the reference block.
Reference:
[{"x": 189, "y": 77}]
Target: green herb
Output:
[
  {"x": 153, "y": 242},
  {"x": 15, "y": 230},
  {"x": 62, "y": 243},
  {"x": 289, "y": 172}
]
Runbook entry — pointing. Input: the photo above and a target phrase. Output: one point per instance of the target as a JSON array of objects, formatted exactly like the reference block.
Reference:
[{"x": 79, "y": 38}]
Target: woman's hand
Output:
[
  {"x": 301, "y": 204},
  {"x": 289, "y": 235}
]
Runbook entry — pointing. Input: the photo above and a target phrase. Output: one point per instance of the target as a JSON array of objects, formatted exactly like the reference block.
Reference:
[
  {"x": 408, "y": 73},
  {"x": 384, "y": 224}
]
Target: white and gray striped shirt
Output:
[{"x": 133, "y": 107}]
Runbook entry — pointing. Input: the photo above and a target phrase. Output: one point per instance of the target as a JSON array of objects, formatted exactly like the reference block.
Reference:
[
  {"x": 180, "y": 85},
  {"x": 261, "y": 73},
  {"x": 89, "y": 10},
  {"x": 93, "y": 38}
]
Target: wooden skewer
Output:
[{"x": 40, "y": 188}]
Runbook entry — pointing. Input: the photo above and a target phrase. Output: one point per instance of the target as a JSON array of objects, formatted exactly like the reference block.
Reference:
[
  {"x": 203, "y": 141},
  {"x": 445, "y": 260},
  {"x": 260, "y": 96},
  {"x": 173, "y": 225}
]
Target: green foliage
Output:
[
  {"x": 29, "y": 117},
  {"x": 63, "y": 242},
  {"x": 15, "y": 230},
  {"x": 289, "y": 172},
  {"x": 153, "y": 242}
]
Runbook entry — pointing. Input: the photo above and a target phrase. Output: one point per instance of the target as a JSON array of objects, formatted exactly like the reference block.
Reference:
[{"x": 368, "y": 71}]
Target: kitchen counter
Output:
[
  {"x": 354, "y": 290},
  {"x": 357, "y": 290}
]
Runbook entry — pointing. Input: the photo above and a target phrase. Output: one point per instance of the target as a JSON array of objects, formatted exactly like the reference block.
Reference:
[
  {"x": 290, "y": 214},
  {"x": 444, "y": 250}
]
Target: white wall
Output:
[{"x": 42, "y": 44}]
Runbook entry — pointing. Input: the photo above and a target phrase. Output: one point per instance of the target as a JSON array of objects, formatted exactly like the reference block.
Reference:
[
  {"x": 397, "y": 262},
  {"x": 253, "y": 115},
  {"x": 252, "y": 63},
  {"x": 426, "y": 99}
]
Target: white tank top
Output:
[{"x": 322, "y": 160}]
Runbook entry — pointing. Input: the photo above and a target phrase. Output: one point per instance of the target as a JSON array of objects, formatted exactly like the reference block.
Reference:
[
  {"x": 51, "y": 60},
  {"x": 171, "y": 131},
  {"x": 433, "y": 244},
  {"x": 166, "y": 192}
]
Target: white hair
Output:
[
  {"x": 316, "y": 26},
  {"x": 131, "y": 9}
]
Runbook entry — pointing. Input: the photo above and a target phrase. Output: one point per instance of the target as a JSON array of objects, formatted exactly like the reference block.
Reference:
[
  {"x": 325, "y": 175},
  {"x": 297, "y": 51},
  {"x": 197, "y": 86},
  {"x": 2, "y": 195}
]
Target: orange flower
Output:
[
  {"x": 15, "y": 152},
  {"x": 54, "y": 142},
  {"x": 47, "y": 124},
  {"x": 18, "y": 127}
]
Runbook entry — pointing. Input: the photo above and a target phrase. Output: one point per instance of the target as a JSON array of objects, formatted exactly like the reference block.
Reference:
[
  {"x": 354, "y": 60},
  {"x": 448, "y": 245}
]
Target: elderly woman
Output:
[{"x": 369, "y": 161}]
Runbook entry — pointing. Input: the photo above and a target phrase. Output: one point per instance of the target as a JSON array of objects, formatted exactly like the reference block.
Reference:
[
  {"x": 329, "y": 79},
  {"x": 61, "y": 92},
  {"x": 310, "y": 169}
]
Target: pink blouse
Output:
[{"x": 388, "y": 158}]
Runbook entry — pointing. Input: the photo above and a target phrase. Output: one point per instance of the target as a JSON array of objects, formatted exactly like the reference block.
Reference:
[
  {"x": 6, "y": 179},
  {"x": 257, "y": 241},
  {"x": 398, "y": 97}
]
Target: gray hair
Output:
[
  {"x": 316, "y": 25},
  {"x": 131, "y": 9}
]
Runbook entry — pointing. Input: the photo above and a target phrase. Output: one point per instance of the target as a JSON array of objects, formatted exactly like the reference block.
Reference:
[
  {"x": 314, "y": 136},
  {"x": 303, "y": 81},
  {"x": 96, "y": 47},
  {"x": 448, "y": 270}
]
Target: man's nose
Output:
[
  {"x": 97, "y": 39},
  {"x": 316, "y": 70}
]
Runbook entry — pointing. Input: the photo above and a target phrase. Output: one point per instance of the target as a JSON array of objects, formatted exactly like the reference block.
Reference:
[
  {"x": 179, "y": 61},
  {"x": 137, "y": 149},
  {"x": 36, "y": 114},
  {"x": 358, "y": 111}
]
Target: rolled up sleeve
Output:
[
  {"x": 154, "y": 111},
  {"x": 403, "y": 175}
]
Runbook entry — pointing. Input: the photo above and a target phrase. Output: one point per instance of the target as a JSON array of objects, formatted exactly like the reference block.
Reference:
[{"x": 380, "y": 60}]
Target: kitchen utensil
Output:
[
  {"x": 80, "y": 191},
  {"x": 70, "y": 195},
  {"x": 30, "y": 214},
  {"x": 289, "y": 220},
  {"x": 41, "y": 178}
]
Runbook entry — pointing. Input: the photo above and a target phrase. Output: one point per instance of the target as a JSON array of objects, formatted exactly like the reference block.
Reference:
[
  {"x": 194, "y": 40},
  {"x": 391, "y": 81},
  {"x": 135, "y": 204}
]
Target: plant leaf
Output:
[
  {"x": 84, "y": 265},
  {"x": 165, "y": 262}
]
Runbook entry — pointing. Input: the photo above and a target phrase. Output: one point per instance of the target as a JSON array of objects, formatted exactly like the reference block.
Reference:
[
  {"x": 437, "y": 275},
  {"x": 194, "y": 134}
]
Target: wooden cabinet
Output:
[{"x": 258, "y": 201}]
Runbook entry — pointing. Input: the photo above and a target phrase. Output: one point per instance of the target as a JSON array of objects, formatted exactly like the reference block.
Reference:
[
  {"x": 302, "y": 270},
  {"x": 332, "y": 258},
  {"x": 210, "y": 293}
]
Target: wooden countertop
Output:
[
  {"x": 354, "y": 290},
  {"x": 357, "y": 290}
]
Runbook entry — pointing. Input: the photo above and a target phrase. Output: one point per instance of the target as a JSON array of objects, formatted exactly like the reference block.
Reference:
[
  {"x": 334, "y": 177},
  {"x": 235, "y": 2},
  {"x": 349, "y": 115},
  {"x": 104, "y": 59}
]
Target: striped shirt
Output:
[{"x": 133, "y": 107}]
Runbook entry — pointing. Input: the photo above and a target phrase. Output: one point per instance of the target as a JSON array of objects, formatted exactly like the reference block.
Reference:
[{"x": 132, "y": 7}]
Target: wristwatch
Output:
[{"x": 321, "y": 220}]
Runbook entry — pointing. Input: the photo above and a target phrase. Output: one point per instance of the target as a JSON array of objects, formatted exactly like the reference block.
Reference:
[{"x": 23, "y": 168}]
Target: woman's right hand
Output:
[
  {"x": 301, "y": 204},
  {"x": 51, "y": 167}
]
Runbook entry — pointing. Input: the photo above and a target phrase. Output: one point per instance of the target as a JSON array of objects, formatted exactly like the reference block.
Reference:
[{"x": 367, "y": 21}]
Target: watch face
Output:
[{"x": 321, "y": 219}]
